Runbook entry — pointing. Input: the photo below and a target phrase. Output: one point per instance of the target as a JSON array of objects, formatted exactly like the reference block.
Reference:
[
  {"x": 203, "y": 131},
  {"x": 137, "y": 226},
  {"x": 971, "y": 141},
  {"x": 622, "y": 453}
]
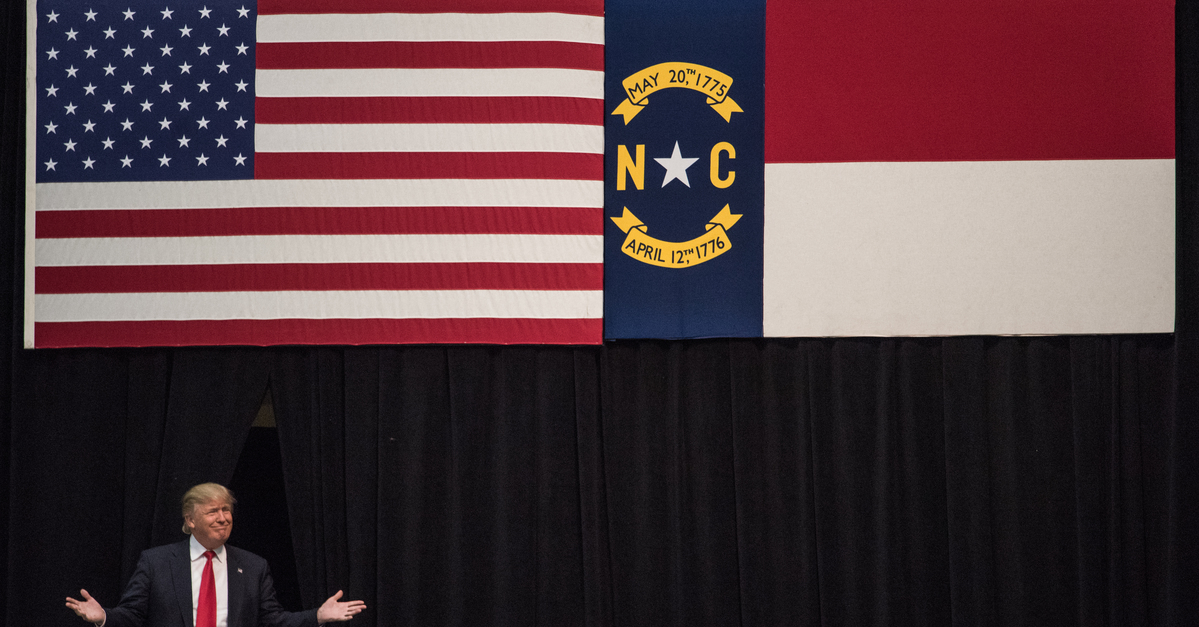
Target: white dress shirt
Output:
[{"x": 220, "y": 577}]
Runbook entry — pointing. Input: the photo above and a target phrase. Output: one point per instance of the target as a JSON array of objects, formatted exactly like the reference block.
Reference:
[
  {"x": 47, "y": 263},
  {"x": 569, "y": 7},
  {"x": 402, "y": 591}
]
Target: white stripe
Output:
[
  {"x": 575, "y": 138},
  {"x": 320, "y": 193},
  {"x": 429, "y": 82},
  {"x": 964, "y": 248},
  {"x": 31, "y": 15},
  {"x": 432, "y": 27},
  {"x": 136, "y": 251},
  {"x": 319, "y": 305}
]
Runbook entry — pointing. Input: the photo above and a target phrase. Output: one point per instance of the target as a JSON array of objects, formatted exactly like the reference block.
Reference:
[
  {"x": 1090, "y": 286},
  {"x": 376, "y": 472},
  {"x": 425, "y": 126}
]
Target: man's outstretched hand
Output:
[
  {"x": 88, "y": 609},
  {"x": 332, "y": 610}
]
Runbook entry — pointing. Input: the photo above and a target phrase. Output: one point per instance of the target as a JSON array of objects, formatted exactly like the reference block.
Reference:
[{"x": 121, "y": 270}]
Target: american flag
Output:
[{"x": 316, "y": 172}]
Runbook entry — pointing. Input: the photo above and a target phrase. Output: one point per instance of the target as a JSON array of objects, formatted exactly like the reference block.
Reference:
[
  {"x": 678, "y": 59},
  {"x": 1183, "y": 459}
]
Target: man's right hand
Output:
[{"x": 88, "y": 609}]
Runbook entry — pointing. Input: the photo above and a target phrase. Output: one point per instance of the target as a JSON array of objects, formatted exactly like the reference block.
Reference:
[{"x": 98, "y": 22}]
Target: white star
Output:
[
  {"x": 108, "y": 106},
  {"x": 127, "y": 88},
  {"x": 201, "y": 160},
  {"x": 109, "y": 70},
  {"x": 108, "y": 34},
  {"x": 70, "y": 145},
  {"x": 185, "y": 31},
  {"x": 50, "y": 165},
  {"x": 126, "y": 125},
  {"x": 239, "y": 160},
  {"x": 220, "y": 104},
  {"x": 128, "y": 14},
  {"x": 203, "y": 85},
  {"x": 52, "y": 16},
  {"x": 166, "y": 14},
  {"x": 71, "y": 72},
  {"x": 240, "y": 122},
  {"x": 205, "y": 11},
  {"x": 243, "y": 11},
  {"x": 147, "y": 69},
  {"x": 108, "y": 142},
  {"x": 242, "y": 48},
  {"x": 223, "y": 30},
  {"x": 185, "y": 68},
  {"x": 91, "y": 16},
  {"x": 50, "y": 128},
  {"x": 202, "y": 122},
  {"x": 147, "y": 104},
  {"x": 90, "y": 52},
  {"x": 52, "y": 53},
  {"x": 676, "y": 166},
  {"x": 52, "y": 91},
  {"x": 164, "y": 125},
  {"x": 166, "y": 87},
  {"x": 164, "y": 161},
  {"x": 71, "y": 35},
  {"x": 126, "y": 162},
  {"x": 87, "y": 163},
  {"x": 146, "y": 141},
  {"x": 89, "y": 127},
  {"x": 241, "y": 85},
  {"x": 89, "y": 90},
  {"x": 223, "y": 68},
  {"x": 205, "y": 48},
  {"x": 220, "y": 141},
  {"x": 166, "y": 50},
  {"x": 184, "y": 104},
  {"x": 128, "y": 50},
  {"x": 147, "y": 32},
  {"x": 70, "y": 108},
  {"x": 183, "y": 142}
]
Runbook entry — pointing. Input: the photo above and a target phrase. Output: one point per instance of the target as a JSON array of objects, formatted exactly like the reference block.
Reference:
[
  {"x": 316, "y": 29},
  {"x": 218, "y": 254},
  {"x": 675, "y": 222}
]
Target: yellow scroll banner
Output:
[
  {"x": 656, "y": 252},
  {"x": 711, "y": 83}
]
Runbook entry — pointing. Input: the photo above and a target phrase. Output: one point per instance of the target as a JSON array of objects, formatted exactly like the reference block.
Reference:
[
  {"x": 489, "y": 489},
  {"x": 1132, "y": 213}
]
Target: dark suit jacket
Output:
[{"x": 160, "y": 592}]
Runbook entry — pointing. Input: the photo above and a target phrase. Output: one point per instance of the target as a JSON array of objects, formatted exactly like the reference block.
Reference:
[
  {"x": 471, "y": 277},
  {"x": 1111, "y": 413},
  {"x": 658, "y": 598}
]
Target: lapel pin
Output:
[{"x": 239, "y": 570}]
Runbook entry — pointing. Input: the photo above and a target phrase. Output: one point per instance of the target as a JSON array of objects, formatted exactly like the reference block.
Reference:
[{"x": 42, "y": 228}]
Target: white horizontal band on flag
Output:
[
  {"x": 319, "y": 305},
  {"x": 431, "y": 27},
  {"x": 575, "y": 138},
  {"x": 429, "y": 82},
  {"x": 321, "y": 193},
  {"x": 966, "y": 248},
  {"x": 423, "y": 248}
]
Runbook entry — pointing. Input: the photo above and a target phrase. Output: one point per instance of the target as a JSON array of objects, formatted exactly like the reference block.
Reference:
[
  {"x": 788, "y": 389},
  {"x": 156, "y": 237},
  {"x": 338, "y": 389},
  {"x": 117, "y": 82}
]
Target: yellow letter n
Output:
[{"x": 626, "y": 164}]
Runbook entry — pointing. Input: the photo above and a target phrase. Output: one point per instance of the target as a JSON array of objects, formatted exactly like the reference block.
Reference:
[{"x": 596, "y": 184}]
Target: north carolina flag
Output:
[{"x": 314, "y": 172}]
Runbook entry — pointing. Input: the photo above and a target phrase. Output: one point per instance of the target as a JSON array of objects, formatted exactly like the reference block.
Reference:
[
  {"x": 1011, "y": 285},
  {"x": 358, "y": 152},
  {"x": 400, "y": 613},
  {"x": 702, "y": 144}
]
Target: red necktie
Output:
[{"x": 206, "y": 605}]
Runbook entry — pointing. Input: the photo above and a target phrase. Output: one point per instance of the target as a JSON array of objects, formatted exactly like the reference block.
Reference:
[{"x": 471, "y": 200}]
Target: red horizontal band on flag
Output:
[
  {"x": 340, "y": 331},
  {"x": 431, "y": 110},
  {"x": 319, "y": 277},
  {"x": 319, "y": 221},
  {"x": 436, "y": 54},
  {"x": 937, "y": 80},
  {"x": 577, "y": 7},
  {"x": 428, "y": 165}
]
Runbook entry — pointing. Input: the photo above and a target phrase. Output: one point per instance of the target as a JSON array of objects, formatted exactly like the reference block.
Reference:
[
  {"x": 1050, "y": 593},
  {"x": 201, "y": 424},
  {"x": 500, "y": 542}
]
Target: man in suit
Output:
[{"x": 203, "y": 582}]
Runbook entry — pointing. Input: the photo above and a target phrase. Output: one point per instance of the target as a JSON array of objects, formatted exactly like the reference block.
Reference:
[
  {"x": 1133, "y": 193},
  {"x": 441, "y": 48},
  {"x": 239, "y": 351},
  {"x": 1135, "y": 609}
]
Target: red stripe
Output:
[
  {"x": 275, "y": 332},
  {"x": 307, "y": 277},
  {"x": 428, "y": 165},
  {"x": 577, "y": 7},
  {"x": 319, "y": 221},
  {"x": 440, "y": 54},
  {"x": 447, "y": 110},
  {"x": 941, "y": 80}
]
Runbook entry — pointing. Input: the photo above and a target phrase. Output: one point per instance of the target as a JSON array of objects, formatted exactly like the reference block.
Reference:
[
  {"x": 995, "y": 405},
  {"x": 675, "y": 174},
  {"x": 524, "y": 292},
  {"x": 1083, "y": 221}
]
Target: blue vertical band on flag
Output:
[
  {"x": 144, "y": 92},
  {"x": 683, "y": 189}
]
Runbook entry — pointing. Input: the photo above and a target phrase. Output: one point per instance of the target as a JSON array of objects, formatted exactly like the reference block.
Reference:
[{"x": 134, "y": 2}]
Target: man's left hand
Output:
[{"x": 334, "y": 611}]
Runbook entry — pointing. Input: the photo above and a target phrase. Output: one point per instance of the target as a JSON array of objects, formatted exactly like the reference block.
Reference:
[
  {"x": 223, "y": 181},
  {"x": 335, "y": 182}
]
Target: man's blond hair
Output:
[{"x": 204, "y": 493}]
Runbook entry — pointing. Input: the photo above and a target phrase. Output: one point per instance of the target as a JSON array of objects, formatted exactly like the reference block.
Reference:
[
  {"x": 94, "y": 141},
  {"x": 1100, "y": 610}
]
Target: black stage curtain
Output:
[{"x": 972, "y": 481}]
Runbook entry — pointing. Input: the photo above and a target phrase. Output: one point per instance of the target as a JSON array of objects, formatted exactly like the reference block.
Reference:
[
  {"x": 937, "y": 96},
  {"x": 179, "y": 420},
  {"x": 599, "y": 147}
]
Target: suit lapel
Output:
[
  {"x": 181, "y": 576},
  {"x": 236, "y": 581}
]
